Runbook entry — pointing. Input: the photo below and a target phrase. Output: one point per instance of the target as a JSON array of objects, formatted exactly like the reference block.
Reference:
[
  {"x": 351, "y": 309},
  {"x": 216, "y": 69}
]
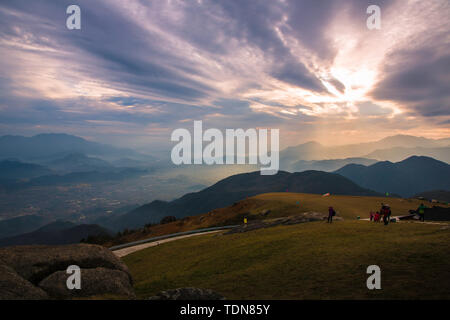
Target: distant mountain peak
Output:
[{"x": 408, "y": 177}]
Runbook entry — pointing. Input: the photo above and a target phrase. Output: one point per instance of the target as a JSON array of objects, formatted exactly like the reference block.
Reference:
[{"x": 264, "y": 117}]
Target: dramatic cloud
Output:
[{"x": 141, "y": 68}]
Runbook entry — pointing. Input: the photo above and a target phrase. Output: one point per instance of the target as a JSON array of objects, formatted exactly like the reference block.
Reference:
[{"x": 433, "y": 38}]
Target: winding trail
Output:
[
  {"x": 127, "y": 248},
  {"x": 126, "y": 251}
]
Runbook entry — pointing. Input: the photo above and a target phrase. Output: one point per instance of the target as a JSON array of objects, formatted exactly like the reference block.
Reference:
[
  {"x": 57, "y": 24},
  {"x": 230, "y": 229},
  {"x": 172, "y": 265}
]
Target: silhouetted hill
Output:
[
  {"x": 400, "y": 153},
  {"x": 44, "y": 145},
  {"x": 407, "y": 177},
  {"x": 389, "y": 148},
  {"x": 329, "y": 165},
  {"x": 18, "y": 225},
  {"x": 439, "y": 195},
  {"x": 238, "y": 187},
  {"x": 58, "y": 232},
  {"x": 115, "y": 174},
  {"x": 79, "y": 162},
  {"x": 13, "y": 170}
]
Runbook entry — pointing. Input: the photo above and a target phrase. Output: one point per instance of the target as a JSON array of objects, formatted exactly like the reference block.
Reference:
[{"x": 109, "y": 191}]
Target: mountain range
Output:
[
  {"x": 47, "y": 146},
  {"x": 79, "y": 162},
  {"x": 329, "y": 165},
  {"x": 392, "y": 148},
  {"x": 406, "y": 178},
  {"x": 14, "y": 170},
  {"x": 74, "y": 168},
  {"x": 56, "y": 233},
  {"x": 60, "y": 159}
]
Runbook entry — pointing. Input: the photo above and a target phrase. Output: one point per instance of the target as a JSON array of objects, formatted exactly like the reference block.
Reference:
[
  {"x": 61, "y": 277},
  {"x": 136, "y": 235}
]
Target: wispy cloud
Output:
[{"x": 311, "y": 68}]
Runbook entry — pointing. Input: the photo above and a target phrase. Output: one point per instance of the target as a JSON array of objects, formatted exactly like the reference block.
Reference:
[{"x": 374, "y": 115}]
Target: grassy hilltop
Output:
[
  {"x": 274, "y": 205},
  {"x": 306, "y": 261}
]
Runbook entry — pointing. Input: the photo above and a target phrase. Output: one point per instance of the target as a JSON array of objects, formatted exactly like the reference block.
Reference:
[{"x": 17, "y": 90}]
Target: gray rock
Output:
[
  {"x": 188, "y": 294},
  {"x": 14, "y": 287},
  {"x": 35, "y": 263},
  {"x": 98, "y": 281}
]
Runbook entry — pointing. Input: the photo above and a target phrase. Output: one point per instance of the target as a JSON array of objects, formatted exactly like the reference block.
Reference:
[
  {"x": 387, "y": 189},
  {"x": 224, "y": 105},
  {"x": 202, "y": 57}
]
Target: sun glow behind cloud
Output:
[{"x": 288, "y": 64}]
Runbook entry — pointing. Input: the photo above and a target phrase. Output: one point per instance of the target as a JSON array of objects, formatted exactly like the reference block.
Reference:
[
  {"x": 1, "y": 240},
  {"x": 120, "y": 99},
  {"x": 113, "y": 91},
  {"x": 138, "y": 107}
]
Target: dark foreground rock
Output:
[
  {"x": 99, "y": 281},
  {"x": 35, "y": 263},
  {"x": 41, "y": 271},
  {"x": 14, "y": 287},
  {"x": 188, "y": 294}
]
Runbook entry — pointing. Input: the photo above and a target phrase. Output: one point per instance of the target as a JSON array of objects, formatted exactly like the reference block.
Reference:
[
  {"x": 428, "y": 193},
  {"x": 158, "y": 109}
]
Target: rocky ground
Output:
[
  {"x": 188, "y": 294},
  {"x": 295, "y": 219}
]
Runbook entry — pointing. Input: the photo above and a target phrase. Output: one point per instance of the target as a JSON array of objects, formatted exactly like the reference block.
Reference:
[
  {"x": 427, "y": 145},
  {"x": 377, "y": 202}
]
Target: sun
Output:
[{"x": 357, "y": 83}]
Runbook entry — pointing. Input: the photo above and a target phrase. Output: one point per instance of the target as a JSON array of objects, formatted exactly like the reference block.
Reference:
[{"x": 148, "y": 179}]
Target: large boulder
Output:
[
  {"x": 40, "y": 272},
  {"x": 188, "y": 294},
  {"x": 94, "y": 282},
  {"x": 35, "y": 263},
  {"x": 14, "y": 287}
]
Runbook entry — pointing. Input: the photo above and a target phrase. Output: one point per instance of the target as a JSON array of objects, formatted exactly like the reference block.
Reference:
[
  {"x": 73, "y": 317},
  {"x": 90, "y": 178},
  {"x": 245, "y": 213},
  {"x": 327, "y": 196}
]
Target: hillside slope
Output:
[
  {"x": 274, "y": 205},
  {"x": 313, "y": 260},
  {"x": 238, "y": 187}
]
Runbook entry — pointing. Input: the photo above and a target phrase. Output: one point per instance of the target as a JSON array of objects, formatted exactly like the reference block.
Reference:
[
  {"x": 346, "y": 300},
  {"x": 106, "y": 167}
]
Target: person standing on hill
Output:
[
  {"x": 386, "y": 212},
  {"x": 421, "y": 211},
  {"x": 331, "y": 214}
]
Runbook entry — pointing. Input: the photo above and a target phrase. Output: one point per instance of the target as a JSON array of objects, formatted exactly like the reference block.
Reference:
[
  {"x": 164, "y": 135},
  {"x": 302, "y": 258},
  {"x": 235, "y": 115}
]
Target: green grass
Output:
[
  {"x": 275, "y": 205},
  {"x": 348, "y": 207},
  {"x": 306, "y": 261}
]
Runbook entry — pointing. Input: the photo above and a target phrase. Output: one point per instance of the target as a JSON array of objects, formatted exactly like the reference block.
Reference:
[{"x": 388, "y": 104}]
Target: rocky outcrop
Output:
[
  {"x": 35, "y": 263},
  {"x": 188, "y": 294},
  {"x": 14, "y": 287},
  {"x": 95, "y": 282},
  {"x": 42, "y": 269}
]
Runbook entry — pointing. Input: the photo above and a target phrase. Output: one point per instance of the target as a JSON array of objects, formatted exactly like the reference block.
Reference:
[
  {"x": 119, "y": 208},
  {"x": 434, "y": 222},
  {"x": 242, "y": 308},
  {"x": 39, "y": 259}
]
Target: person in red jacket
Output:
[{"x": 377, "y": 217}]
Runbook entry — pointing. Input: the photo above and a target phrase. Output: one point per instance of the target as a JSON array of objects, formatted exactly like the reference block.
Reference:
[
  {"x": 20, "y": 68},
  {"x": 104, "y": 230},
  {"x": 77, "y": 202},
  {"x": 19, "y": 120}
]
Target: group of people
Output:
[{"x": 384, "y": 213}]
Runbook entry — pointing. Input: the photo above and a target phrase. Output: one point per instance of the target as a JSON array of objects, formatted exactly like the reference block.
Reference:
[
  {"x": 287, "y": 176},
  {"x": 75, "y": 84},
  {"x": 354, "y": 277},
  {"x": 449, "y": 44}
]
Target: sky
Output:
[{"x": 139, "y": 69}]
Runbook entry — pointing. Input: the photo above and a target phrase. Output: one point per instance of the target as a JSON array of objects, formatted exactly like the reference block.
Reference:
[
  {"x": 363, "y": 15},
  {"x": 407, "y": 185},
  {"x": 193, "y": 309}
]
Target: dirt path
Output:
[{"x": 126, "y": 251}]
